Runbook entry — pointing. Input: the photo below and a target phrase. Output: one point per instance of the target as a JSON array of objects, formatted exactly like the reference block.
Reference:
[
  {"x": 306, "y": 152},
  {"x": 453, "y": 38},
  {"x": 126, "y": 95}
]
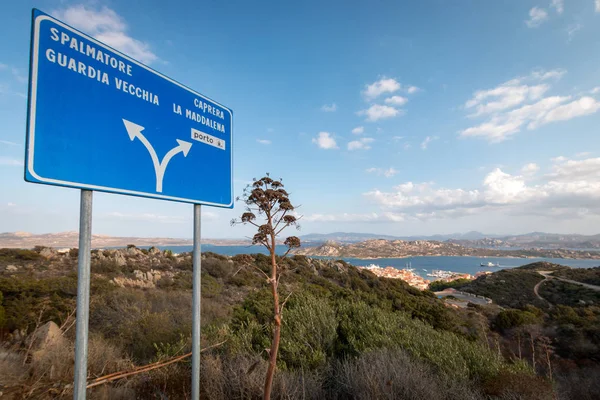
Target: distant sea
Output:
[{"x": 422, "y": 264}]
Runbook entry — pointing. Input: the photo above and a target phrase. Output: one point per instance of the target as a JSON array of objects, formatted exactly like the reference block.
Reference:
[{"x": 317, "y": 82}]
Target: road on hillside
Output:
[
  {"x": 548, "y": 275},
  {"x": 537, "y": 286}
]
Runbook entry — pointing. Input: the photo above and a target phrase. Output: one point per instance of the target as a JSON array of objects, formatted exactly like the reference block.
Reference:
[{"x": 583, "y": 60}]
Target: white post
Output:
[
  {"x": 197, "y": 253},
  {"x": 83, "y": 294}
]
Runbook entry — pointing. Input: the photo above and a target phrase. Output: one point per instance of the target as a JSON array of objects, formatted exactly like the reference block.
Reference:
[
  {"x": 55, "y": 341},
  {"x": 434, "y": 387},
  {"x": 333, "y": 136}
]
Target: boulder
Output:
[
  {"x": 48, "y": 252},
  {"x": 45, "y": 337},
  {"x": 120, "y": 259},
  {"x": 133, "y": 251}
]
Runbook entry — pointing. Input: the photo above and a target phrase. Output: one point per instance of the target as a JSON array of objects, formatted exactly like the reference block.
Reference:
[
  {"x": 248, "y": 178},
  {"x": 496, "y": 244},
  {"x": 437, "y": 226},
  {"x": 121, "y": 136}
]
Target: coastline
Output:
[{"x": 456, "y": 255}]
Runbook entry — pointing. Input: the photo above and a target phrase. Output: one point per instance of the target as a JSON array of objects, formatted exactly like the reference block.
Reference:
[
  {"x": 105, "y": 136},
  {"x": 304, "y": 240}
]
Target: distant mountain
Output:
[
  {"x": 25, "y": 240},
  {"x": 353, "y": 237},
  {"x": 343, "y": 237},
  {"x": 379, "y": 248},
  {"x": 472, "y": 239}
]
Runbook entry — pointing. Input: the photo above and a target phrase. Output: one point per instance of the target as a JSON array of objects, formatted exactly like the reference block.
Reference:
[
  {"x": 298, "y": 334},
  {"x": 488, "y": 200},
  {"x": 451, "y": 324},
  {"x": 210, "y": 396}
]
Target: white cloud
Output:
[
  {"x": 427, "y": 140},
  {"x": 388, "y": 173},
  {"x": 263, "y": 141},
  {"x": 503, "y": 97},
  {"x": 349, "y": 217},
  {"x": 530, "y": 169},
  {"x": 571, "y": 190},
  {"x": 358, "y": 130},
  {"x": 396, "y": 100},
  {"x": 360, "y": 144},
  {"x": 520, "y": 103},
  {"x": 3, "y": 66},
  {"x": 595, "y": 90},
  {"x": 157, "y": 218},
  {"x": 9, "y": 143},
  {"x": 384, "y": 85},
  {"x": 107, "y": 26},
  {"x": 329, "y": 107},
  {"x": 325, "y": 141},
  {"x": 558, "y": 5},
  {"x": 12, "y": 162},
  {"x": 412, "y": 89},
  {"x": 597, "y": 5},
  {"x": 377, "y": 112},
  {"x": 11, "y": 205},
  {"x": 407, "y": 146},
  {"x": 572, "y": 30},
  {"x": 536, "y": 17},
  {"x": 576, "y": 108},
  {"x": 583, "y": 154}
]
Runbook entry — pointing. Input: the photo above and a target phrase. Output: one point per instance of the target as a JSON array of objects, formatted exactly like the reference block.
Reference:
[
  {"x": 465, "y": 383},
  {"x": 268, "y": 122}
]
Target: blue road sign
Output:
[{"x": 100, "y": 120}]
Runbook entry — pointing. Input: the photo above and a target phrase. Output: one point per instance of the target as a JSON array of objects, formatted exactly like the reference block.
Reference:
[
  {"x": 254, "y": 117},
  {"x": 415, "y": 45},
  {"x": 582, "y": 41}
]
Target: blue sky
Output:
[{"x": 385, "y": 117}]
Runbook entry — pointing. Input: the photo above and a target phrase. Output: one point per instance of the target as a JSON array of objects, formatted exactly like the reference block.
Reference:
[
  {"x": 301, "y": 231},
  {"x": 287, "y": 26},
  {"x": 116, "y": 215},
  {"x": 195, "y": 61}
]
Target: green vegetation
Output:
[
  {"x": 13, "y": 255},
  {"x": 569, "y": 294},
  {"x": 508, "y": 287},
  {"x": 585, "y": 275},
  {"x": 347, "y": 334},
  {"x": 438, "y": 286}
]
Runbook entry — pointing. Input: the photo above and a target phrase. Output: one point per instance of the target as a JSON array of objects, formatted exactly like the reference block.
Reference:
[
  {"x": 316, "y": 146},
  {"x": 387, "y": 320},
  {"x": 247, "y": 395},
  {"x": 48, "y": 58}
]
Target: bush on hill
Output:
[{"x": 585, "y": 275}]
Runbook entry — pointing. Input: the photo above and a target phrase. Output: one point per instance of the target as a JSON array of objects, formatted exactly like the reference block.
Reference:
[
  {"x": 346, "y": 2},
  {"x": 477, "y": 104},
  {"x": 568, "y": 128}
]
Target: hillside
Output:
[
  {"x": 339, "y": 319},
  {"x": 342, "y": 327},
  {"x": 25, "y": 240},
  {"x": 378, "y": 248}
]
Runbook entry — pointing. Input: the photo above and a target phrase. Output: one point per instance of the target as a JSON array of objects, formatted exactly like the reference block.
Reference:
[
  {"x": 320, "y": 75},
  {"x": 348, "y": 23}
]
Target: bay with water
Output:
[{"x": 422, "y": 265}]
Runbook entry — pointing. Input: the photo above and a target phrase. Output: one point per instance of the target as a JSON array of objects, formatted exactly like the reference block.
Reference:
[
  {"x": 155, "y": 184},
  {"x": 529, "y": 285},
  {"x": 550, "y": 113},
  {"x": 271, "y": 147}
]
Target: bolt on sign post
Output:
[{"x": 100, "y": 121}]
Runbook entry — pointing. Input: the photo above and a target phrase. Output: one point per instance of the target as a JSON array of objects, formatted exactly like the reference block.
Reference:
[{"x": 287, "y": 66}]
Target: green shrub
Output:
[
  {"x": 308, "y": 333},
  {"x": 508, "y": 319}
]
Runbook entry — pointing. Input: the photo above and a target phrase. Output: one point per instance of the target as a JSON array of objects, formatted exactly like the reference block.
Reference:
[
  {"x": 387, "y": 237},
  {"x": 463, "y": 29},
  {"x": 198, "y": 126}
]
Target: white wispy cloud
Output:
[
  {"x": 329, "y": 107},
  {"x": 558, "y": 5},
  {"x": 12, "y": 162},
  {"x": 597, "y": 3},
  {"x": 325, "y": 141},
  {"x": 536, "y": 17},
  {"x": 520, "y": 103},
  {"x": 360, "y": 144},
  {"x": 263, "y": 141},
  {"x": 412, "y": 90},
  {"x": 107, "y": 26},
  {"x": 350, "y": 217},
  {"x": 383, "y": 85},
  {"x": 570, "y": 190},
  {"x": 388, "y": 173},
  {"x": 396, "y": 100},
  {"x": 359, "y": 130},
  {"x": 572, "y": 30},
  {"x": 156, "y": 218},
  {"x": 377, "y": 112},
  {"x": 9, "y": 143},
  {"x": 427, "y": 140},
  {"x": 530, "y": 169}
]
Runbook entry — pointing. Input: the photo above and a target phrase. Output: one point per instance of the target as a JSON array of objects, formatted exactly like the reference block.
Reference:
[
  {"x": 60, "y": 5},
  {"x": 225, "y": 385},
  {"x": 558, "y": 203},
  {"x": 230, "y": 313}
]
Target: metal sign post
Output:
[
  {"x": 83, "y": 294},
  {"x": 196, "y": 300},
  {"x": 98, "y": 120}
]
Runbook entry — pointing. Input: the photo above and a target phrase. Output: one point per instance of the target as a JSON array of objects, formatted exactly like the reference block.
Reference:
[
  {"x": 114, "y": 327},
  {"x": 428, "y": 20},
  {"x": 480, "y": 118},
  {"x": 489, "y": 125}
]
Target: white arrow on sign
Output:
[{"x": 135, "y": 131}]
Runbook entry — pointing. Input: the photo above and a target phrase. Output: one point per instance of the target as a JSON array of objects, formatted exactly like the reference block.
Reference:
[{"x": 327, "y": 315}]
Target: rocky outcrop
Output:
[{"x": 142, "y": 280}]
